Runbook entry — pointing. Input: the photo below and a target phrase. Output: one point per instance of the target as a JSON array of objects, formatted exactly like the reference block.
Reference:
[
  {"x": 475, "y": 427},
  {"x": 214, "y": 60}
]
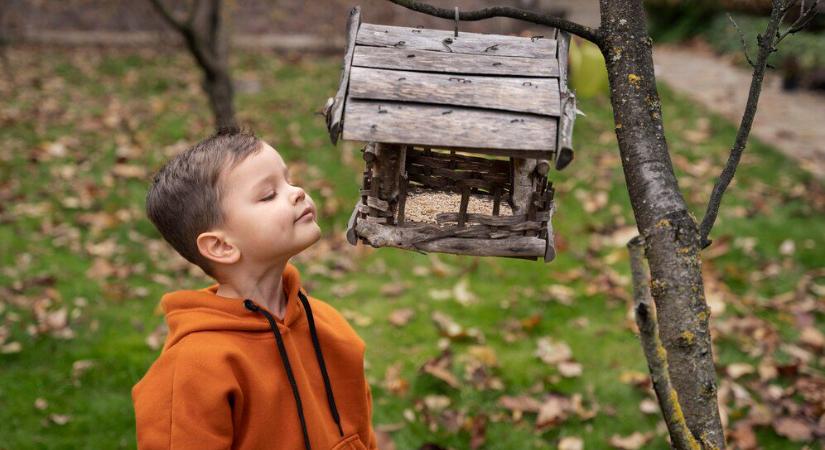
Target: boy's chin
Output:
[{"x": 309, "y": 238}]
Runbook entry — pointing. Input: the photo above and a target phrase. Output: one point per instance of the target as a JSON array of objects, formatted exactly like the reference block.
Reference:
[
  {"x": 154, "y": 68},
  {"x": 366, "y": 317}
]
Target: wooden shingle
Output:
[{"x": 482, "y": 92}]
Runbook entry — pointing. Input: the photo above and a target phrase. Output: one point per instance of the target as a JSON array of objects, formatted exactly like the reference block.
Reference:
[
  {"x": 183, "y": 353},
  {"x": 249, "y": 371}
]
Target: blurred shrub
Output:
[
  {"x": 674, "y": 20},
  {"x": 806, "y": 49},
  {"x": 800, "y": 58},
  {"x": 588, "y": 74}
]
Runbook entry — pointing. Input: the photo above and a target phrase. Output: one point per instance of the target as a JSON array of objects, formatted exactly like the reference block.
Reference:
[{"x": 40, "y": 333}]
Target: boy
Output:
[{"x": 251, "y": 362}]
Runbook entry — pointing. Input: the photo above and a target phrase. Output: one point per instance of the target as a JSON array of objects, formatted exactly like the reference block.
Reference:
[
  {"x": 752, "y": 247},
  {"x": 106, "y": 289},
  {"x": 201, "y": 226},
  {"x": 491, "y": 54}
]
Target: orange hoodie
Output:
[{"x": 225, "y": 379}]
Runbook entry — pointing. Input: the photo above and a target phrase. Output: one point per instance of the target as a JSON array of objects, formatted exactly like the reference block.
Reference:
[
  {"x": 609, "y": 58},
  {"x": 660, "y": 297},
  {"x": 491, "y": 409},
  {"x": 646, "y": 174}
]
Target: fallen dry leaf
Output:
[
  {"x": 357, "y": 318},
  {"x": 41, "y": 403},
  {"x": 638, "y": 379},
  {"x": 552, "y": 352},
  {"x": 462, "y": 294},
  {"x": 560, "y": 293},
  {"x": 649, "y": 406},
  {"x": 632, "y": 442},
  {"x": 793, "y": 428},
  {"x": 553, "y": 411},
  {"x": 483, "y": 354},
  {"x": 129, "y": 171},
  {"x": 523, "y": 403},
  {"x": 401, "y": 317},
  {"x": 60, "y": 419},
  {"x": 384, "y": 440},
  {"x": 812, "y": 337},
  {"x": 156, "y": 338},
  {"x": 436, "y": 403},
  {"x": 569, "y": 369},
  {"x": 743, "y": 436},
  {"x": 11, "y": 347},
  {"x": 80, "y": 367},
  {"x": 449, "y": 328},
  {"x": 440, "y": 366},
  {"x": 393, "y": 289},
  {"x": 737, "y": 370},
  {"x": 478, "y": 431},
  {"x": 393, "y": 381},
  {"x": 571, "y": 443}
]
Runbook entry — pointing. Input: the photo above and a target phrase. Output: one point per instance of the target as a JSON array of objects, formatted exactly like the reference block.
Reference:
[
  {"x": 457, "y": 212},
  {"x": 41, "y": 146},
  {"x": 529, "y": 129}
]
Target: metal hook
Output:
[{"x": 456, "y": 21}]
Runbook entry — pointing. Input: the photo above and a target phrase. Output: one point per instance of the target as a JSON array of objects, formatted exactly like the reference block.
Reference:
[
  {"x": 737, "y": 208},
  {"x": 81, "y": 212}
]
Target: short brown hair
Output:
[{"x": 184, "y": 199}]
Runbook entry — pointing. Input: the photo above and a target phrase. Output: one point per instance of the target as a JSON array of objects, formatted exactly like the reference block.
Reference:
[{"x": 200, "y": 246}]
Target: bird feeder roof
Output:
[{"x": 489, "y": 93}]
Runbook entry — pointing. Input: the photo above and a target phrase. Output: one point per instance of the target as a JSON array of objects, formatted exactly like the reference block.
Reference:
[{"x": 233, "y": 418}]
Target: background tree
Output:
[
  {"x": 677, "y": 345},
  {"x": 6, "y": 37},
  {"x": 205, "y": 35}
]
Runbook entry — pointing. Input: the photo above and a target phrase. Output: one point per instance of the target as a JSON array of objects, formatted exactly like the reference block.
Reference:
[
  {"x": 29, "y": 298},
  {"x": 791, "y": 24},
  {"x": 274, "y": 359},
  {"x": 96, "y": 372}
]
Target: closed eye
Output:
[{"x": 267, "y": 198}]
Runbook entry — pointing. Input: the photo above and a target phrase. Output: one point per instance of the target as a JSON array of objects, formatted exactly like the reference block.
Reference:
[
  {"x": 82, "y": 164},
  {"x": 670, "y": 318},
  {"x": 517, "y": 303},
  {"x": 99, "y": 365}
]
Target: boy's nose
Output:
[{"x": 300, "y": 194}]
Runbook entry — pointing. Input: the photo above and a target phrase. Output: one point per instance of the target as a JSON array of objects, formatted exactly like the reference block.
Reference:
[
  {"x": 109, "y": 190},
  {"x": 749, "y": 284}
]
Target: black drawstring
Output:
[
  {"x": 250, "y": 305},
  {"x": 320, "y": 357}
]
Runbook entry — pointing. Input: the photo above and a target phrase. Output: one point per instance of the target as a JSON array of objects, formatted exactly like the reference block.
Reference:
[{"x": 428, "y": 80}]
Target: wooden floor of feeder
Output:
[{"x": 422, "y": 205}]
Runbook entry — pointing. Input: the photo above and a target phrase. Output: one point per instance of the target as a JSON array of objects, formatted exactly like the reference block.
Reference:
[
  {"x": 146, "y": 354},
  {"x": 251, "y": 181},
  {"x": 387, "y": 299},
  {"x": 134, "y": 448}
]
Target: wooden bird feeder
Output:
[{"x": 461, "y": 131}]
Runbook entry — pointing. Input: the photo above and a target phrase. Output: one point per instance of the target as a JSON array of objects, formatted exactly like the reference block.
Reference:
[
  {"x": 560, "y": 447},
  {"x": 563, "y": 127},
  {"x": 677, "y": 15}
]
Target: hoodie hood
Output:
[{"x": 189, "y": 311}]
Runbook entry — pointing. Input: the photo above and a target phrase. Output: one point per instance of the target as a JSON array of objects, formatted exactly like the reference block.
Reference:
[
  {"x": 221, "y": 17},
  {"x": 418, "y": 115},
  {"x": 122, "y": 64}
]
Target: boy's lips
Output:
[{"x": 307, "y": 211}]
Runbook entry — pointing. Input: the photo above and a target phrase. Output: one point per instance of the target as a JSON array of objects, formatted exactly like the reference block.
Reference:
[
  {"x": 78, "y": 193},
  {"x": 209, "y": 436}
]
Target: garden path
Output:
[{"x": 792, "y": 121}]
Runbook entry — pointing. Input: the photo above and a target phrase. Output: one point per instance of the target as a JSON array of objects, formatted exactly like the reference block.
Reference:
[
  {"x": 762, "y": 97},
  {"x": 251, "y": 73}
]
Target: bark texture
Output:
[{"x": 670, "y": 233}]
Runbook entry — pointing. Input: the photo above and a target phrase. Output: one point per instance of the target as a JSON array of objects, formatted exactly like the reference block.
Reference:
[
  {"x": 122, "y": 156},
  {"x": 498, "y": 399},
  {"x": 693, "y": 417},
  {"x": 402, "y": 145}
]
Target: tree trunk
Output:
[
  {"x": 218, "y": 87},
  {"x": 205, "y": 35},
  {"x": 670, "y": 232}
]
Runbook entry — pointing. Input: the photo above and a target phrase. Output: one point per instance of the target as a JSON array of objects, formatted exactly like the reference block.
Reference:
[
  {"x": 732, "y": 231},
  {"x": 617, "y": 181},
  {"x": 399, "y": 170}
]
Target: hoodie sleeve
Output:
[{"x": 186, "y": 403}]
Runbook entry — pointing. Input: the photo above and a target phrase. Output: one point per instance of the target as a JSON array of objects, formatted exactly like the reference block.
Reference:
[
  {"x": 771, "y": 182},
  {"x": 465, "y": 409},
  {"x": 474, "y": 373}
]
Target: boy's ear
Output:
[{"x": 213, "y": 246}]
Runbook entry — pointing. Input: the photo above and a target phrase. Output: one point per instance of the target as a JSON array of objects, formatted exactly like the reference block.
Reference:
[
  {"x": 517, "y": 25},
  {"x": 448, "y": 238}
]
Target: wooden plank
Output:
[
  {"x": 522, "y": 184},
  {"x": 352, "y": 238},
  {"x": 456, "y": 63},
  {"x": 498, "y": 221},
  {"x": 532, "y": 95},
  {"x": 476, "y": 163},
  {"x": 336, "y": 110},
  {"x": 379, "y": 235},
  {"x": 465, "y": 201},
  {"x": 568, "y": 105},
  {"x": 404, "y": 182},
  {"x": 550, "y": 249},
  {"x": 445, "y": 41},
  {"x": 563, "y": 50},
  {"x": 439, "y": 126},
  {"x": 457, "y": 175},
  {"x": 448, "y": 184},
  {"x": 565, "y": 129}
]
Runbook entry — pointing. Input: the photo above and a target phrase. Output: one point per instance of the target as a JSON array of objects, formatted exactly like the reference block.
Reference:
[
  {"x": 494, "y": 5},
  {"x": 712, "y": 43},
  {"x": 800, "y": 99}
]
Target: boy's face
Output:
[{"x": 264, "y": 214}]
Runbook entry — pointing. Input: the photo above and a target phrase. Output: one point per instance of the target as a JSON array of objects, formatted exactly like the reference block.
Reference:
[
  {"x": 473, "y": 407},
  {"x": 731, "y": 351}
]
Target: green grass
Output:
[{"x": 99, "y": 102}]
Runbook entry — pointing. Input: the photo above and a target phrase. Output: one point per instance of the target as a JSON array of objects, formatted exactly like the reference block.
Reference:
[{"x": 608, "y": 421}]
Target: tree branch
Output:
[
  {"x": 179, "y": 25},
  {"x": 742, "y": 39},
  {"x": 767, "y": 45},
  {"x": 584, "y": 32},
  {"x": 190, "y": 20},
  {"x": 805, "y": 17},
  {"x": 655, "y": 352}
]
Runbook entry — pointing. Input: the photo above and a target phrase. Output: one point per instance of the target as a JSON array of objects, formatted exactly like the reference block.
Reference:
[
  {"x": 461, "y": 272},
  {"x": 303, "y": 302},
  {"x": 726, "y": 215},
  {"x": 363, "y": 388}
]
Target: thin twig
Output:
[
  {"x": 805, "y": 18},
  {"x": 591, "y": 34},
  {"x": 767, "y": 45},
  {"x": 655, "y": 352},
  {"x": 742, "y": 38}
]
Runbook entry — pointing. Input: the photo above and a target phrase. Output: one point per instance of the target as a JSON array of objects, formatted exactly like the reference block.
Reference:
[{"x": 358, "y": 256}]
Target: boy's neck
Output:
[{"x": 265, "y": 289}]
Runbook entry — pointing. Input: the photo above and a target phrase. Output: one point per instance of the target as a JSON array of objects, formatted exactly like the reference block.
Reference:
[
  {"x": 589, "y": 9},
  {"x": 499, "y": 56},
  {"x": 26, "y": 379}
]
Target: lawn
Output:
[{"x": 82, "y": 269}]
